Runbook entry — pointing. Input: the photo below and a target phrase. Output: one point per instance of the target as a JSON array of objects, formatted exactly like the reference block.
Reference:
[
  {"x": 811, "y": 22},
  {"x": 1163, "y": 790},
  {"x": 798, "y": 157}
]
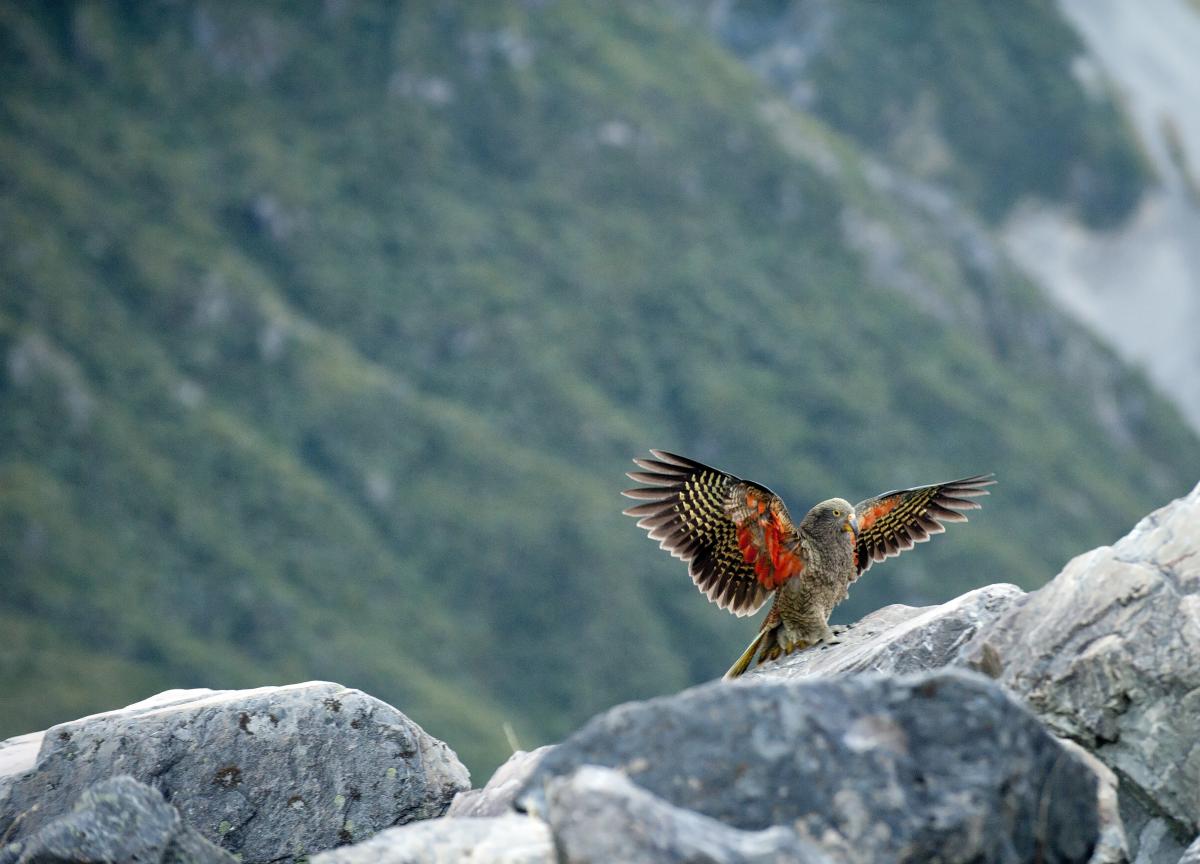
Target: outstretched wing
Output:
[
  {"x": 895, "y": 521},
  {"x": 736, "y": 536}
]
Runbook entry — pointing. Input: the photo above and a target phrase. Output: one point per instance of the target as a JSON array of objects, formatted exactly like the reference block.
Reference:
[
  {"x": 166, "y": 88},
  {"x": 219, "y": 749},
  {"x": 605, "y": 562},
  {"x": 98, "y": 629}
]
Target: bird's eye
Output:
[{"x": 837, "y": 512}]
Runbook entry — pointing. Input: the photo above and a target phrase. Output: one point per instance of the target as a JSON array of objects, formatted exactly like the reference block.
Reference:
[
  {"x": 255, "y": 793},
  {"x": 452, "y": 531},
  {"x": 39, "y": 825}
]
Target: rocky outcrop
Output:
[
  {"x": 876, "y": 768},
  {"x": 117, "y": 821},
  {"x": 1059, "y": 725},
  {"x": 1107, "y": 654},
  {"x": 900, "y": 639},
  {"x": 496, "y": 798},
  {"x": 270, "y": 774},
  {"x": 599, "y": 815},
  {"x": 873, "y": 768},
  {"x": 594, "y": 816},
  {"x": 507, "y": 839},
  {"x": 1191, "y": 855}
]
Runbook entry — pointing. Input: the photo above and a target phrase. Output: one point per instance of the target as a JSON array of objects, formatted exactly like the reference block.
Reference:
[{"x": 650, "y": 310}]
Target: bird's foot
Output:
[
  {"x": 798, "y": 645},
  {"x": 772, "y": 653}
]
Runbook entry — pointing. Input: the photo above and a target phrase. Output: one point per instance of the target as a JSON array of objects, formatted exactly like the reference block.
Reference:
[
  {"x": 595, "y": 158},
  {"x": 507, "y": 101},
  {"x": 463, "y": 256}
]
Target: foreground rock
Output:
[
  {"x": 594, "y": 816},
  {"x": 270, "y": 774},
  {"x": 1191, "y": 855},
  {"x": 496, "y": 798},
  {"x": 598, "y": 815},
  {"x": 508, "y": 839},
  {"x": 117, "y": 821},
  {"x": 942, "y": 766}
]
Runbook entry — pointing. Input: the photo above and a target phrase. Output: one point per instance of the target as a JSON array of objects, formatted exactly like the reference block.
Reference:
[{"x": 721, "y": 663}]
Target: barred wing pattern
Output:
[
  {"x": 736, "y": 536},
  {"x": 890, "y": 523}
]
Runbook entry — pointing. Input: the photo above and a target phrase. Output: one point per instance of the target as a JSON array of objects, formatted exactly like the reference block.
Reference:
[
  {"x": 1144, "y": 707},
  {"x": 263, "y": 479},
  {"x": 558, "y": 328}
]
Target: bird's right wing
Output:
[
  {"x": 892, "y": 522},
  {"x": 736, "y": 536}
]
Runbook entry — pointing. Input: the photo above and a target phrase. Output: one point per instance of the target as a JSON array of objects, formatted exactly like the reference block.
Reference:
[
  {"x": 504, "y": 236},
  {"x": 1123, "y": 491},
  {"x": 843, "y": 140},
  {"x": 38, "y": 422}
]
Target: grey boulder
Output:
[
  {"x": 496, "y": 798},
  {"x": 1191, "y": 855},
  {"x": 941, "y": 766},
  {"x": 1108, "y": 654},
  {"x": 270, "y": 774},
  {"x": 508, "y": 839},
  {"x": 599, "y": 816},
  {"x": 117, "y": 821},
  {"x": 900, "y": 639}
]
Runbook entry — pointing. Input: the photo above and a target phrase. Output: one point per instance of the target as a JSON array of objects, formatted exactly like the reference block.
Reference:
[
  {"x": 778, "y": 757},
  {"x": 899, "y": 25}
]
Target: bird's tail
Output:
[{"x": 743, "y": 662}]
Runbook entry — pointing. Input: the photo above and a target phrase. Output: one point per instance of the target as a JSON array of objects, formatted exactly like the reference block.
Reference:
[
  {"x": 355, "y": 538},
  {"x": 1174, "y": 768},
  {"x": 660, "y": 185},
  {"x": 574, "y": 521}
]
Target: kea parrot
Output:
[{"x": 741, "y": 545}]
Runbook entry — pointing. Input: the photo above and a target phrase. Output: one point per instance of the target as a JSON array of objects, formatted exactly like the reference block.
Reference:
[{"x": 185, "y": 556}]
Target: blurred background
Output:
[{"x": 327, "y": 329}]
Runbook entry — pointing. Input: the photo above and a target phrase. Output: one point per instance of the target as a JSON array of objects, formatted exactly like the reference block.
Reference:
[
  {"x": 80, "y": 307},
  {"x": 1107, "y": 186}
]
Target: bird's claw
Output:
[{"x": 839, "y": 629}]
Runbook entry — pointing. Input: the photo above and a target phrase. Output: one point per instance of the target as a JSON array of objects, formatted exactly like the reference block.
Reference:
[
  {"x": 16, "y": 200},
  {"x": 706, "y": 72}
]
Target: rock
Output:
[
  {"x": 901, "y": 638},
  {"x": 1112, "y": 847},
  {"x": 1151, "y": 838},
  {"x": 496, "y": 798},
  {"x": 18, "y": 755},
  {"x": 942, "y": 765},
  {"x": 1191, "y": 855},
  {"x": 116, "y": 821},
  {"x": 599, "y": 816},
  {"x": 509, "y": 839},
  {"x": 1108, "y": 654},
  {"x": 270, "y": 774}
]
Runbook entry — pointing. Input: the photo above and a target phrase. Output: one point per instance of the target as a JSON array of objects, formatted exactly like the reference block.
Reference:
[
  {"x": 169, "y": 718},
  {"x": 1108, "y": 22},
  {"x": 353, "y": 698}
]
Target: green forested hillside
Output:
[
  {"x": 988, "y": 98},
  {"x": 328, "y": 330}
]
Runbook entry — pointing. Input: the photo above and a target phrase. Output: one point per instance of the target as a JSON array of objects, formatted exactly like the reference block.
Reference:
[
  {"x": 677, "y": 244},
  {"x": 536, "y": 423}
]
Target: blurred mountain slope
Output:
[
  {"x": 328, "y": 330},
  {"x": 987, "y": 100},
  {"x": 1137, "y": 284}
]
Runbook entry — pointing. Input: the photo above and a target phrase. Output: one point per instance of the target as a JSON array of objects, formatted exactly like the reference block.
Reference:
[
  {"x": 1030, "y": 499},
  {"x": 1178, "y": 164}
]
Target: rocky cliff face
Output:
[{"x": 1058, "y": 725}]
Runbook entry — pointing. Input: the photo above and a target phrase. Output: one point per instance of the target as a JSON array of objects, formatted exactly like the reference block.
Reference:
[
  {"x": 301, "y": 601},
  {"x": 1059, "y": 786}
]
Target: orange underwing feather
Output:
[
  {"x": 736, "y": 536},
  {"x": 893, "y": 522}
]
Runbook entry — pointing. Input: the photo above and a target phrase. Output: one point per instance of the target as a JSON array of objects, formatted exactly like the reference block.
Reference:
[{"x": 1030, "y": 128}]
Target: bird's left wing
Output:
[
  {"x": 736, "y": 536},
  {"x": 890, "y": 523}
]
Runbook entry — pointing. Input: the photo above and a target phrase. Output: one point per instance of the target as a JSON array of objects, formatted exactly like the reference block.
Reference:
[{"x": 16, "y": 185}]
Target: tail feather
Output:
[{"x": 743, "y": 662}]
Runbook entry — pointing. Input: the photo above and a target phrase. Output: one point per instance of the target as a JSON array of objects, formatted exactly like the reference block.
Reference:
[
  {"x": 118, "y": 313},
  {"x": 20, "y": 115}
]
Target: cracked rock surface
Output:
[
  {"x": 270, "y": 774},
  {"x": 117, "y": 821},
  {"x": 496, "y": 798},
  {"x": 938, "y": 766},
  {"x": 507, "y": 839},
  {"x": 599, "y": 815},
  {"x": 1108, "y": 654},
  {"x": 900, "y": 638}
]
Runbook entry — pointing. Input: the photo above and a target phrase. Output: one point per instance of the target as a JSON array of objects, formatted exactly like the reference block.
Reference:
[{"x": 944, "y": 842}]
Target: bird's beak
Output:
[{"x": 851, "y": 526}]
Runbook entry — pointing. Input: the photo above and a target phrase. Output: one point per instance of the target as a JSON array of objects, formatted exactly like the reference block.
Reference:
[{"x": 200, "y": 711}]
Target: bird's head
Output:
[{"x": 833, "y": 519}]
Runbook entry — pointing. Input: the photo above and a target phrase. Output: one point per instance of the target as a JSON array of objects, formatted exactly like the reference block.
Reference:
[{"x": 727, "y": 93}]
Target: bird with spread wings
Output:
[{"x": 741, "y": 545}]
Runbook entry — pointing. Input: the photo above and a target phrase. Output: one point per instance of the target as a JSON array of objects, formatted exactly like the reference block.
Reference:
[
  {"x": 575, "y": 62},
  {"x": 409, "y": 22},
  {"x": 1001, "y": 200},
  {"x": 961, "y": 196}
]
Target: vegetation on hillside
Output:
[
  {"x": 328, "y": 330},
  {"x": 987, "y": 98}
]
